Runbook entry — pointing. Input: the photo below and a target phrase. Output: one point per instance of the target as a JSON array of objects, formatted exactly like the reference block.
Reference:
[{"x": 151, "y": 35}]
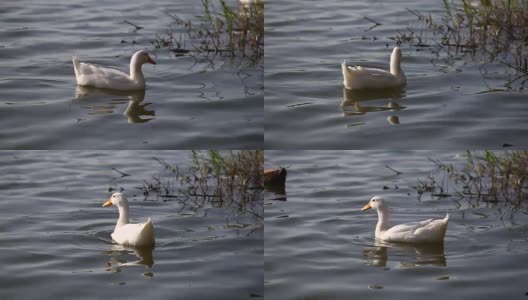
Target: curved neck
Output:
[
  {"x": 395, "y": 68},
  {"x": 123, "y": 215},
  {"x": 135, "y": 71},
  {"x": 383, "y": 220}
]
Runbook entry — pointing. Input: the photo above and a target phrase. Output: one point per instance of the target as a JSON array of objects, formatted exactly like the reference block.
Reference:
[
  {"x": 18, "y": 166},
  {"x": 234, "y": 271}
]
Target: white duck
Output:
[
  {"x": 356, "y": 78},
  {"x": 105, "y": 78},
  {"x": 140, "y": 235},
  {"x": 428, "y": 231}
]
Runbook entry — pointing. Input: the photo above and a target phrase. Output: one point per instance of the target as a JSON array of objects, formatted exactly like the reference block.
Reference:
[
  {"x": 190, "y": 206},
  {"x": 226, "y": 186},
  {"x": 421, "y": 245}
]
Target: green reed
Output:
[
  {"x": 216, "y": 178},
  {"x": 487, "y": 176},
  {"x": 222, "y": 30},
  {"x": 495, "y": 31}
]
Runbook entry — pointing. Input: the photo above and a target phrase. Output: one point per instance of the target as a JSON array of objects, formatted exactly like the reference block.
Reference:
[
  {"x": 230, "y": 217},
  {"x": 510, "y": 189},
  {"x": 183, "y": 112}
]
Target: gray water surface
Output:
[
  {"x": 320, "y": 245},
  {"x": 202, "y": 102},
  {"x": 55, "y": 236},
  {"x": 450, "y": 102}
]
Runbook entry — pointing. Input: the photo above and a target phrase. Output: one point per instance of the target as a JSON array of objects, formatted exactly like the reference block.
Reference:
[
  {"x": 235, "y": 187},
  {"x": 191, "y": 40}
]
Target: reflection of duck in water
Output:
[
  {"x": 119, "y": 258},
  {"x": 135, "y": 111},
  {"x": 408, "y": 255},
  {"x": 351, "y": 104}
]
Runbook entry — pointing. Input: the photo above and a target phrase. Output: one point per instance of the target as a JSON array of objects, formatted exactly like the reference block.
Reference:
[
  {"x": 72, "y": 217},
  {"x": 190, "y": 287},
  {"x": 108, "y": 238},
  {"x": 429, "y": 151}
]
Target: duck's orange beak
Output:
[
  {"x": 151, "y": 61},
  {"x": 367, "y": 206},
  {"x": 108, "y": 202}
]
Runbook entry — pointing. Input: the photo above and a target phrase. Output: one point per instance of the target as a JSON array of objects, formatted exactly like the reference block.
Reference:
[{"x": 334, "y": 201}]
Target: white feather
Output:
[
  {"x": 102, "y": 77},
  {"x": 125, "y": 233},
  {"x": 356, "y": 78},
  {"x": 428, "y": 231}
]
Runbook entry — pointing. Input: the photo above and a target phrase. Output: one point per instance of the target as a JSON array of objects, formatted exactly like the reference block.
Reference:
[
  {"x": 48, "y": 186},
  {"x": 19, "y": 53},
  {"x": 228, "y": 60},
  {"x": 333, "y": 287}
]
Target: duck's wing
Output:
[
  {"x": 372, "y": 73},
  {"x": 365, "y": 78},
  {"x": 97, "y": 76},
  {"x": 431, "y": 230},
  {"x": 404, "y": 231},
  {"x": 89, "y": 69}
]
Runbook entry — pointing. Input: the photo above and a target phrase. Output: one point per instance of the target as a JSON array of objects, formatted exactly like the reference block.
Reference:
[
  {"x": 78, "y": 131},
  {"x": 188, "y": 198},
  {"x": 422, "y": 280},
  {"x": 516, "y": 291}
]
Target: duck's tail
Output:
[
  {"x": 346, "y": 74},
  {"x": 446, "y": 219},
  {"x": 148, "y": 226},
  {"x": 76, "y": 67},
  {"x": 148, "y": 233},
  {"x": 344, "y": 67}
]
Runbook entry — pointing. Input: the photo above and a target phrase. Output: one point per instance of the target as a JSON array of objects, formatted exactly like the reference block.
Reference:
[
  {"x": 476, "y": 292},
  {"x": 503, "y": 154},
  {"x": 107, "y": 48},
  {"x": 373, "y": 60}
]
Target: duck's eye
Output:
[{"x": 373, "y": 200}]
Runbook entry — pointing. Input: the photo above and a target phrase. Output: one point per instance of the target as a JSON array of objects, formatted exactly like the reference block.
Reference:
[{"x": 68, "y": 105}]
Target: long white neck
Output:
[
  {"x": 383, "y": 220},
  {"x": 123, "y": 214},
  {"x": 395, "y": 67},
  {"x": 135, "y": 70}
]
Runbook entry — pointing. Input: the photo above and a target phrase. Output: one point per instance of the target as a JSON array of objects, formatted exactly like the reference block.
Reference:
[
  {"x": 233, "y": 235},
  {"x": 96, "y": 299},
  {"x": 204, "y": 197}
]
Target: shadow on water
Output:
[
  {"x": 407, "y": 255},
  {"x": 120, "y": 257},
  {"x": 102, "y": 101},
  {"x": 352, "y": 104}
]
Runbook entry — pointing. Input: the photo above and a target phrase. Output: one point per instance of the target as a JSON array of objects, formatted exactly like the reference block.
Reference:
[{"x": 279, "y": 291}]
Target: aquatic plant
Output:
[
  {"x": 228, "y": 179},
  {"x": 487, "y": 176},
  {"x": 494, "y": 31},
  {"x": 224, "y": 30}
]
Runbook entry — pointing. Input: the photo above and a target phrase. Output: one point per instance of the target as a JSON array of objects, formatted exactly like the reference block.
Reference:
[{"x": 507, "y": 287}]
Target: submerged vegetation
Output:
[
  {"x": 494, "y": 31},
  {"x": 222, "y": 30},
  {"x": 486, "y": 177},
  {"x": 226, "y": 179}
]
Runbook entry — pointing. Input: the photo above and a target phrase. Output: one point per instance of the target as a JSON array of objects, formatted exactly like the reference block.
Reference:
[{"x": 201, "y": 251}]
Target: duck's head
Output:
[
  {"x": 396, "y": 53},
  {"x": 376, "y": 203},
  {"x": 142, "y": 57},
  {"x": 117, "y": 199}
]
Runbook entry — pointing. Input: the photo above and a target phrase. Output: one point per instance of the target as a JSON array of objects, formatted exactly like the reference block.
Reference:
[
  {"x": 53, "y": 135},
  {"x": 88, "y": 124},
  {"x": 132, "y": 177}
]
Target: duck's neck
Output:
[
  {"x": 383, "y": 220},
  {"x": 395, "y": 67},
  {"x": 135, "y": 71},
  {"x": 123, "y": 215}
]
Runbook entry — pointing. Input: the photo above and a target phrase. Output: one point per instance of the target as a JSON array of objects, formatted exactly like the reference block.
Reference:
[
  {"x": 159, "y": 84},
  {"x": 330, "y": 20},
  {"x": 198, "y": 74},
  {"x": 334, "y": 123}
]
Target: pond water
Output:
[
  {"x": 319, "y": 245},
  {"x": 449, "y": 102},
  {"x": 56, "y": 243},
  {"x": 207, "y": 102}
]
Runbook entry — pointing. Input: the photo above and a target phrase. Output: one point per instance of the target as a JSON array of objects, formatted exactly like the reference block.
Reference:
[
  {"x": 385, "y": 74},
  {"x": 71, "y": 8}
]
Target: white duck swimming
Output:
[
  {"x": 105, "y": 78},
  {"x": 428, "y": 231},
  {"x": 140, "y": 235},
  {"x": 356, "y": 78}
]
